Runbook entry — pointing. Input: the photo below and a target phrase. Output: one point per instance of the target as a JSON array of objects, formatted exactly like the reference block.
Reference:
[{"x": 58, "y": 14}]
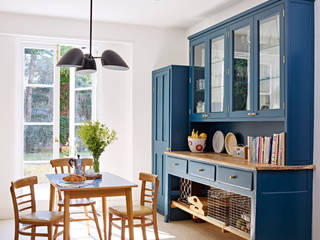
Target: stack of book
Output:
[{"x": 268, "y": 150}]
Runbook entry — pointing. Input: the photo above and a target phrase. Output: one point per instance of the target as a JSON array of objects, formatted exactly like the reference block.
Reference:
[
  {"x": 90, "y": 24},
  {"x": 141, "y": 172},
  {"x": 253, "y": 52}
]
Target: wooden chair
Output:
[
  {"x": 34, "y": 219},
  {"x": 61, "y": 164},
  {"x": 148, "y": 196}
]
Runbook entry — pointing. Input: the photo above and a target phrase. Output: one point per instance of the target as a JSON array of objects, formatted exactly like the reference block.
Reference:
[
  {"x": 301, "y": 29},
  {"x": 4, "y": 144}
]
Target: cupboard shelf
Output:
[{"x": 185, "y": 207}]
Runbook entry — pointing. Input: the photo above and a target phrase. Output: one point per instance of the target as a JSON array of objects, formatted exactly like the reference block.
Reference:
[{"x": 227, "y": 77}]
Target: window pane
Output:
[
  {"x": 80, "y": 148},
  {"x": 83, "y": 106},
  {"x": 38, "y": 142},
  {"x": 38, "y": 169},
  {"x": 241, "y": 69},
  {"x": 38, "y": 66},
  {"x": 217, "y": 74},
  {"x": 83, "y": 80},
  {"x": 198, "y": 77},
  {"x": 38, "y": 104},
  {"x": 64, "y": 110},
  {"x": 269, "y": 43}
]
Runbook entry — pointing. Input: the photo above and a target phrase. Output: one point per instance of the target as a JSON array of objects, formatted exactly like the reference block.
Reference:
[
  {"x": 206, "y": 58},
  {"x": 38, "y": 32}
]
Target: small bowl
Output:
[{"x": 196, "y": 144}]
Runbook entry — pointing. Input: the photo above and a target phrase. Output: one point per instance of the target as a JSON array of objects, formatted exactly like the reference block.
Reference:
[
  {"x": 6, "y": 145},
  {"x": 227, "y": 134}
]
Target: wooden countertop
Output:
[{"x": 227, "y": 160}]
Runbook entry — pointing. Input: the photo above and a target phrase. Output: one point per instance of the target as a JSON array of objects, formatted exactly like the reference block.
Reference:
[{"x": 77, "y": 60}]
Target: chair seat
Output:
[
  {"x": 138, "y": 211},
  {"x": 78, "y": 202},
  {"x": 41, "y": 217}
]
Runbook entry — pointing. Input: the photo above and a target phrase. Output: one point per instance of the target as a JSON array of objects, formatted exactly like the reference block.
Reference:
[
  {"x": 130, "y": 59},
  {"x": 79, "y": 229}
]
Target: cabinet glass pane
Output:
[
  {"x": 198, "y": 77},
  {"x": 217, "y": 74},
  {"x": 241, "y": 69},
  {"x": 269, "y": 57}
]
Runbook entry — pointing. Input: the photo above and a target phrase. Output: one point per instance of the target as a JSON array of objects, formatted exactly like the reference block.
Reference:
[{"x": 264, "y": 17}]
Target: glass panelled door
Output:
[
  {"x": 217, "y": 74},
  {"x": 198, "y": 79},
  {"x": 241, "y": 69},
  {"x": 270, "y": 63},
  {"x": 40, "y": 121}
]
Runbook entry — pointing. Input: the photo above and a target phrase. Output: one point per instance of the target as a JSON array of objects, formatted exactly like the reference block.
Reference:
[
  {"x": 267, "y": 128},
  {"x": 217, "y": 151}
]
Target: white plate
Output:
[
  {"x": 79, "y": 182},
  {"x": 218, "y": 141},
  {"x": 230, "y": 142}
]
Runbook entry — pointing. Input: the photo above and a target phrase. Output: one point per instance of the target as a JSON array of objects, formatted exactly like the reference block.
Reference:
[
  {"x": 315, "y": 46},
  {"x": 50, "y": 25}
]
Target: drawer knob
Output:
[
  {"x": 200, "y": 170},
  {"x": 175, "y": 164},
  {"x": 232, "y": 177}
]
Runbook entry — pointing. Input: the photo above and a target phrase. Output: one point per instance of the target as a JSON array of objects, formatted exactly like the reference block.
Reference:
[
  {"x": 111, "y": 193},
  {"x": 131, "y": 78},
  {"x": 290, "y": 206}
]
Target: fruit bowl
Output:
[{"x": 196, "y": 144}]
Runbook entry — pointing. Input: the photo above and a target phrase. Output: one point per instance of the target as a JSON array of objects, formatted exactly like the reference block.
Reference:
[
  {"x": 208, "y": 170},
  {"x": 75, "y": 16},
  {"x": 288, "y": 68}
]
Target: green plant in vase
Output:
[{"x": 96, "y": 136}]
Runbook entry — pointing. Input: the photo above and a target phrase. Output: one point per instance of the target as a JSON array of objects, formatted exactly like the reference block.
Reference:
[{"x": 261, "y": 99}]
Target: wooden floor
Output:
[{"x": 181, "y": 230}]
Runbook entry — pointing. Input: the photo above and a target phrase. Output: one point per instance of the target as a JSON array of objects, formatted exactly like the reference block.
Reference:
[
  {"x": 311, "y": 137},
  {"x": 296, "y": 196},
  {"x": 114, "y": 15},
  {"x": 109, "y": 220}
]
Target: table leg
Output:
[
  {"x": 130, "y": 213},
  {"x": 52, "y": 193},
  {"x": 104, "y": 214},
  {"x": 66, "y": 230}
]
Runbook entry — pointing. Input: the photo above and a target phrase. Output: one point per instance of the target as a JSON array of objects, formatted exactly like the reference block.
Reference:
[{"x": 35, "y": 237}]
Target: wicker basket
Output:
[
  {"x": 240, "y": 213},
  {"x": 219, "y": 204}
]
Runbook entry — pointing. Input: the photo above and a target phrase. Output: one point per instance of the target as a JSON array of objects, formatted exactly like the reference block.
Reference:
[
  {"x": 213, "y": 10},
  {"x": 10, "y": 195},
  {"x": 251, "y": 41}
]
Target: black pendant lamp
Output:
[{"x": 85, "y": 63}]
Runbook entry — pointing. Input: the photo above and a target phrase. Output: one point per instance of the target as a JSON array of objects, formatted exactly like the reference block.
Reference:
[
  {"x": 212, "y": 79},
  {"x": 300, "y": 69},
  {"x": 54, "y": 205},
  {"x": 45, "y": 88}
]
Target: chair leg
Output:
[
  {"x": 87, "y": 222},
  {"x": 33, "y": 232},
  {"x": 94, "y": 212},
  {"x": 56, "y": 228},
  {"x": 50, "y": 232},
  {"x": 155, "y": 226},
  {"x": 123, "y": 228},
  {"x": 143, "y": 228},
  {"x": 16, "y": 231},
  {"x": 110, "y": 226}
]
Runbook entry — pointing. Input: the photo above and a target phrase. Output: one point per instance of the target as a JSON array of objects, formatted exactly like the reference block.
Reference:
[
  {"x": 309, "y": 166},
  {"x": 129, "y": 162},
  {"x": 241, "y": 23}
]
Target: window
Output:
[{"x": 56, "y": 102}]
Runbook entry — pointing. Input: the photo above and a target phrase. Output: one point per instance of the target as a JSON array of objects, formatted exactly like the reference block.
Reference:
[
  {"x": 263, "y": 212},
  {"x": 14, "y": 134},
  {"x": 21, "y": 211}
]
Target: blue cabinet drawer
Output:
[
  {"x": 235, "y": 177},
  {"x": 177, "y": 165},
  {"x": 202, "y": 170}
]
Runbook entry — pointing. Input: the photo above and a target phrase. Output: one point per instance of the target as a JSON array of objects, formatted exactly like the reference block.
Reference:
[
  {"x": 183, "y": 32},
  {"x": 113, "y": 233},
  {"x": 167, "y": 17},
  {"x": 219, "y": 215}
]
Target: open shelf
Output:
[{"x": 186, "y": 208}]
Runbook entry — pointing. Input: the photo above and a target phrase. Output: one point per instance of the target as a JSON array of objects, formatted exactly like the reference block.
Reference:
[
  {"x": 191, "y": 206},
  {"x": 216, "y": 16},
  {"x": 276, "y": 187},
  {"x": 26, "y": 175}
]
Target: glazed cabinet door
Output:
[
  {"x": 198, "y": 81},
  {"x": 270, "y": 63},
  {"x": 218, "y": 70},
  {"x": 160, "y": 127},
  {"x": 241, "y": 68}
]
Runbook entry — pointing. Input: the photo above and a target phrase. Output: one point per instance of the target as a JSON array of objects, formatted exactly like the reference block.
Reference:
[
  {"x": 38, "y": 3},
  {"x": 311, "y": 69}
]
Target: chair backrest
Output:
[
  {"x": 24, "y": 201},
  {"x": 62, "y": 164},
  {"x": 149, "y": 193}
]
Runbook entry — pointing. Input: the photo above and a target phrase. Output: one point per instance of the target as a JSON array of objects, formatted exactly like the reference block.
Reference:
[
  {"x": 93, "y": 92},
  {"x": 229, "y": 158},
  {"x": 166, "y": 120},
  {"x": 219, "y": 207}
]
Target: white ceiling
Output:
[{"x": 161, "y": 13}]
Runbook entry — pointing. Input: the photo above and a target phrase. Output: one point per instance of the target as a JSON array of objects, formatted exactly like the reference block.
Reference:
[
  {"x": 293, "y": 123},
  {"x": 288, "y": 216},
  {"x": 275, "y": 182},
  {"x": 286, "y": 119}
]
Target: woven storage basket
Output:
[
  {"x": 240, "y": 213},
  {"x": 219, "y": 204}
]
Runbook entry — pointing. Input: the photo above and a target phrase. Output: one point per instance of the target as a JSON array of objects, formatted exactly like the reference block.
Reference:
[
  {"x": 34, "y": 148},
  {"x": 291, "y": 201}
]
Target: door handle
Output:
[
  {"x": 232, "y": 177},
  {"x": 175, "y": 164},
  {"x": 200, "y": 170}
]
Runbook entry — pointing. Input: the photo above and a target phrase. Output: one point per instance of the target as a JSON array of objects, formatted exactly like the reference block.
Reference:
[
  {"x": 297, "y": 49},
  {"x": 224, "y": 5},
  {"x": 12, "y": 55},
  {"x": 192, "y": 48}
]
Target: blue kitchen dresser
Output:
[{"x": 281, "y": 196}]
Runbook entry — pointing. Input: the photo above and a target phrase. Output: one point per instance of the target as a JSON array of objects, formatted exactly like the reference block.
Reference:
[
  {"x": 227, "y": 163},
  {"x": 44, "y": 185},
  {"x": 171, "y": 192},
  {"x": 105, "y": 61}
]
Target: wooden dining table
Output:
[{"x": 110, "y": 185}]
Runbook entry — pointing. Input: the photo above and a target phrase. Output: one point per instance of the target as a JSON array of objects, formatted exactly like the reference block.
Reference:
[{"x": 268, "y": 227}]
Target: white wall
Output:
[
  {"x": 223, "y": 14},
  {"x": 316, "y": 158},
  {"x": 123, "y": 98}
]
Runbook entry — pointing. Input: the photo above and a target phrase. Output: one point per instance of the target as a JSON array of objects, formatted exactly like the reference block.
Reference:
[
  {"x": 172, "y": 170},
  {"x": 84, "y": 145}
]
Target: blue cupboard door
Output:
[
  {"x": 217, "y": 73},
  {"x": 270, "y": 63},
  {"x": 161, "y": 129},
  {"x": 199, "y": 81},
  {"x": 241, "y": 68}
]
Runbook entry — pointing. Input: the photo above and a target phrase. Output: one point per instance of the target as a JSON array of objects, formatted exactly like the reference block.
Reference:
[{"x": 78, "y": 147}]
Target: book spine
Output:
[
  {"x": 249, "y": 140},
  {"x": 270, "y": 150},
  {"x": 277, "y": 149},
  {"x": 273, "y": 153}
]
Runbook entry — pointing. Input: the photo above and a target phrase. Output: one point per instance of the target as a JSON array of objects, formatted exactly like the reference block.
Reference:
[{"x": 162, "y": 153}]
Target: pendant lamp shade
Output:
[
  {"x": 85, "y": 63},
  {"x": 111, "y": 60},
  {"x": 88, "y": 66},
  {"x": 73, "y": 58}
]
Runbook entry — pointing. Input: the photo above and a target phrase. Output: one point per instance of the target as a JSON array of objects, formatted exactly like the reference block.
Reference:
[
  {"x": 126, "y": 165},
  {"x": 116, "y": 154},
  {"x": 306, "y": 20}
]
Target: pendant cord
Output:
[{"x": 90, "y": 29}]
